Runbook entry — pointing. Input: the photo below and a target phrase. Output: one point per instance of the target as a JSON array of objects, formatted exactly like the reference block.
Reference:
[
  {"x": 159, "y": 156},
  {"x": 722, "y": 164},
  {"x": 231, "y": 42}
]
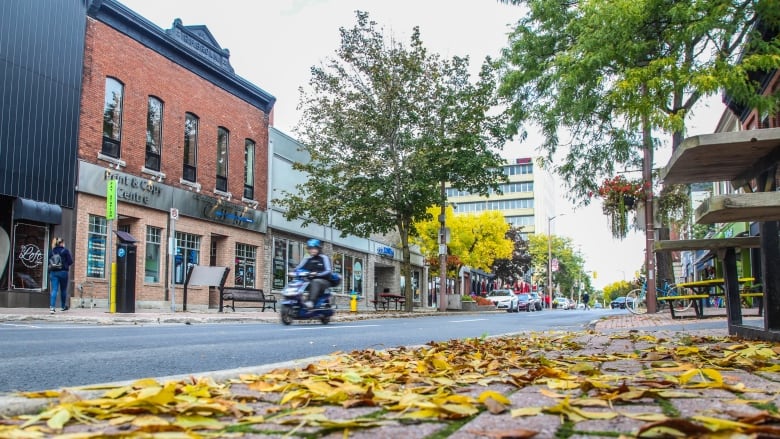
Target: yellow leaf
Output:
[
  {"x": 58, "y": 420},
  {"x": 684, "y": 378},
  {"x": 117, "y": 392},
  {"x": 526, "y": 411},
  {"x": 561, "y": 384},
  {"x": 149, "y": 420},
  {"x": 42, "y": 394},
  {"x": 198, "y": 422},
  {"x": 648, "y": 417},
  {"x": 440, "y": 363},
  {"x": 421, "y": 414},
  {"x": 718, "y": 424},
  {"x": 713, "y": 374},
  {"x": 494, "y": 395}
]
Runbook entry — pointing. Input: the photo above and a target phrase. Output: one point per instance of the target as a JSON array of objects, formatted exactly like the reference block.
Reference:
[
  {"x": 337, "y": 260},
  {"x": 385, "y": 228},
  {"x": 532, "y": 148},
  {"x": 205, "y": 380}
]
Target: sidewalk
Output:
[{"x": 620, "y": 375}]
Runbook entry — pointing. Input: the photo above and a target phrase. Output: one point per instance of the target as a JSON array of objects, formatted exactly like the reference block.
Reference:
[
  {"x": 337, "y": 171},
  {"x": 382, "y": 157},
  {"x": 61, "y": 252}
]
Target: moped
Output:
[{"x": 295, "y": 294}]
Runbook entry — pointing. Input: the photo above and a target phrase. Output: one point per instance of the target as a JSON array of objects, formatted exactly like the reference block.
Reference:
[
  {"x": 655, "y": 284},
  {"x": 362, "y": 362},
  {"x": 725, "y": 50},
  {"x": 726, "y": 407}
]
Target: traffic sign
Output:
[{"x": 174, "y": 213}]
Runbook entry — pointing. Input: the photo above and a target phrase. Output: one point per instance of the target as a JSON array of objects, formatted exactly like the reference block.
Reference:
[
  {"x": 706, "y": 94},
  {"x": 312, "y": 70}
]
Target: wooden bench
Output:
[{"x": 240, "y": 294}]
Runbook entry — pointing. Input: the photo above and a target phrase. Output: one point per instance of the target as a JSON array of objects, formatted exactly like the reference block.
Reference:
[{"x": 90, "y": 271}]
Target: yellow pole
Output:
[{"x": 113, "y": 287}]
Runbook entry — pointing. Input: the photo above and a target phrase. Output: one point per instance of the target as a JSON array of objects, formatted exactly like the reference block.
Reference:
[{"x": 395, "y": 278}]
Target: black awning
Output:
[{"x": 37, "y": 211}]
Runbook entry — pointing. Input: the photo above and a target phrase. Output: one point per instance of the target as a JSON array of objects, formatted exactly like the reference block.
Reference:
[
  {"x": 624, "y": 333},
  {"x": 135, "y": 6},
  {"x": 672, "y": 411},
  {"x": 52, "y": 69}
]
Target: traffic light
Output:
[{"x": 595, "y": 275}]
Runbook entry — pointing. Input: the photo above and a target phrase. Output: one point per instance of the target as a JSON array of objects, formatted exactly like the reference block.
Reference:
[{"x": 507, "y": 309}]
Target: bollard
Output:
[{"x": 353, "y": 303}]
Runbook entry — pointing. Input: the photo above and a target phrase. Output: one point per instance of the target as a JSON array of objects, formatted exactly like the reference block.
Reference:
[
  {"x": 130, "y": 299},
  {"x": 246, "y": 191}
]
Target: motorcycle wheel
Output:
[
  {"x": 325, "y": 320},
  {"x": 287, "y": 314}
]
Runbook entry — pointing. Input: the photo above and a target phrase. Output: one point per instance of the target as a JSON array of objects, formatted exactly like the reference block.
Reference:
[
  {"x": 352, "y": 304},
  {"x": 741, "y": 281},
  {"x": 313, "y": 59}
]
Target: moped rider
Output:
[{"x": 318, "y": 265}]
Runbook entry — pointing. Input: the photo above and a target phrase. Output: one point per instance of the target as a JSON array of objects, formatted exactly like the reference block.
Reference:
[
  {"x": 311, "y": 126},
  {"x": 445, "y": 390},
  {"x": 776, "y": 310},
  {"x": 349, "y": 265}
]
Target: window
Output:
[
  {"x": 249, "y": 169},
  {"x": 287, "y": 255},
  {"x": 190, "y": 147},
  {"x": 245, "y": 265},
  {"x": 154, "y": 121},
  {"x": 187, "y": 252},
  {"x": 152, "y": 262},
  {"x": 112, "y": 118},
  {"x": 96, "y": 247},
  {"x": 223, "y": 141}
]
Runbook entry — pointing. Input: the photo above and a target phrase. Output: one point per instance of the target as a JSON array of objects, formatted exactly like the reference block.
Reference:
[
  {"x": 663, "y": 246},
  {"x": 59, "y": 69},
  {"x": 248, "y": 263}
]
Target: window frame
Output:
[
  {"x": 154, "y": 134},
  {"x": 190, "y": 158},
  {"x": 249, "y": 169},
  {"x": 223, "y": 154},
  {"x": 111, "y": 144}
]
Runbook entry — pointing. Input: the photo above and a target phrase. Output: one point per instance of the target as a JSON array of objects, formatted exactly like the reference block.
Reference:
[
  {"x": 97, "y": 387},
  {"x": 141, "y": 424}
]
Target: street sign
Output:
[
  {"x": 554, "y": 264},
  {"x": 111, "y": 200},
  {"x": 174, "y": 213}
]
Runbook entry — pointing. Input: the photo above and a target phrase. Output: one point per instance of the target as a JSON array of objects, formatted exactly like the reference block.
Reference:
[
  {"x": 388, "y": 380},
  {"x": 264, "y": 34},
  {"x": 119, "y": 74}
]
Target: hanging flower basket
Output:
[{"x": 620, "y": 198}]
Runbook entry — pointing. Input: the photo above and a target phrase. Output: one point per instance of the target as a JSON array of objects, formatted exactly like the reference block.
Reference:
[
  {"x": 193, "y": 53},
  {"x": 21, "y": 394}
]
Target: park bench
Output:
[{"x": 241, "y": 294}]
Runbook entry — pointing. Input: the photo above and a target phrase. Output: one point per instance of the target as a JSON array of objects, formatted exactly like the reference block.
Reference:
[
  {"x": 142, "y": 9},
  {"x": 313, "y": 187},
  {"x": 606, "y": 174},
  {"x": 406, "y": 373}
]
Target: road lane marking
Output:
[
  {"x": 469, "y": 320},
  {"x": 305, "y": 328}
]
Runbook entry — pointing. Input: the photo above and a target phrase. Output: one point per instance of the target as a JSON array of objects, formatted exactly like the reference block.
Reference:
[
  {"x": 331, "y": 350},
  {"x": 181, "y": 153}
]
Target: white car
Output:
[{"x": 504, "y": 299}]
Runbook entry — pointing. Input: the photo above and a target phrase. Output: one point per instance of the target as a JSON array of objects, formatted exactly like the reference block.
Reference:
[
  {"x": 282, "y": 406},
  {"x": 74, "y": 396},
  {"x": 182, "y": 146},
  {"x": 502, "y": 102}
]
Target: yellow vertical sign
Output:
[{"x": 111, "y": 200}]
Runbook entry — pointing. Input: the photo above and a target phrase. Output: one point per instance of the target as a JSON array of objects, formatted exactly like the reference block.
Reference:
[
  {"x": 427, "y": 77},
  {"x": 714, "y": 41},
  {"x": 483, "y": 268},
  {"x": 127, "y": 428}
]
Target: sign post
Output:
[
  {"x": 110, "y": 217},
  {"x": 172, "y": 257}
]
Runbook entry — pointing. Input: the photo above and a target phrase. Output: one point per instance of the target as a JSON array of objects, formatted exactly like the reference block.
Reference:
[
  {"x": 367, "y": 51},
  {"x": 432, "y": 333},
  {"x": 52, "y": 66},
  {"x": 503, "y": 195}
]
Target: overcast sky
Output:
[{"x": 274, "y": 43}]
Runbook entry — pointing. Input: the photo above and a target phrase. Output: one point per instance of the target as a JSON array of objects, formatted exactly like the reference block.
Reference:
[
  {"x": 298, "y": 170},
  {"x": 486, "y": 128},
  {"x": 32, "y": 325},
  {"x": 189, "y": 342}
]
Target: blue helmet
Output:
[{"x": 314, "y": 243}]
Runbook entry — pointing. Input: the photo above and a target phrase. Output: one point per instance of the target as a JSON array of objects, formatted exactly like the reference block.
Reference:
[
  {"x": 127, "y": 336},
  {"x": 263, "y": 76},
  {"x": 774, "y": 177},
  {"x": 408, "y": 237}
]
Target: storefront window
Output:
[
  {"x": 152, "y": 263},
  {"x": 287, "y": 255},
  {"x": 30, "y": 245},
  {"x": 187, "y": 252},
  {"x": 338, "y": 267},
  {"x": 245, "y": 265},
  {"x": 96, "y": 247}
]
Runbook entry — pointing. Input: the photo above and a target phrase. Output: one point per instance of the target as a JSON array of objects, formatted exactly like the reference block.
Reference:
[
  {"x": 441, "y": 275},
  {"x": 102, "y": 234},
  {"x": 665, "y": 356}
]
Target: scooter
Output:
[{"x": 294, "y": 296}]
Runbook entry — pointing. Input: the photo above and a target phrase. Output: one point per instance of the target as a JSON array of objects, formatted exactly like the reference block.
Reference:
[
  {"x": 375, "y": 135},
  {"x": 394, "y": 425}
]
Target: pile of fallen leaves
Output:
[{"x": 446, "y": 382}]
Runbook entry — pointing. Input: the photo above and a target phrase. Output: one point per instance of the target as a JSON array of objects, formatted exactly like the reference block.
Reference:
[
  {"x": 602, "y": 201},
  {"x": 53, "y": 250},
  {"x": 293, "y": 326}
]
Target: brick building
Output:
[{"x": 168, "y": 122}]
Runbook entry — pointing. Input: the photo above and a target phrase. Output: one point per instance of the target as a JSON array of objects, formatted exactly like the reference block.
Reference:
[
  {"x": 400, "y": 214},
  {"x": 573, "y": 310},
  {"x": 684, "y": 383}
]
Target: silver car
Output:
[{"x": 504, "y": 299}]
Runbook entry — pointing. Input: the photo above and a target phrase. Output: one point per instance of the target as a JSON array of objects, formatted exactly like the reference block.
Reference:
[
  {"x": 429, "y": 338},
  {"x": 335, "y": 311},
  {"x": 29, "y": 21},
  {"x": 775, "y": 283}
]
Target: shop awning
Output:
[{"x": 37, "y": 211}]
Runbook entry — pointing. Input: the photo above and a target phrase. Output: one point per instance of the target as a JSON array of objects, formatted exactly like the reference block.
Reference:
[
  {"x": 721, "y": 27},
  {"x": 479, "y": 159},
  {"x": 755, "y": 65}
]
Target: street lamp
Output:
[{"x": 549, "y": 255}]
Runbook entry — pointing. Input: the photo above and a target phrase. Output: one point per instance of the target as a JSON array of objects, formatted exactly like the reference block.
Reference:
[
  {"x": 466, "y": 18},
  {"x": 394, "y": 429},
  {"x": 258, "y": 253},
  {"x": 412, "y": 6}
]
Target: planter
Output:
[{"x": 629, "y": 201}]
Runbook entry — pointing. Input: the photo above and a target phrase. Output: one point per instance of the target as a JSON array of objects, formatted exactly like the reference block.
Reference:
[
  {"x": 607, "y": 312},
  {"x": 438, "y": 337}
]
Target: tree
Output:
[
  {"x": 570, "y": 264},
  {"x": 511, "y": 269},
  {"x": 384, "y": 124},
  {"x": 601, "y": 77},
  {"x": 475, "y": 240}
]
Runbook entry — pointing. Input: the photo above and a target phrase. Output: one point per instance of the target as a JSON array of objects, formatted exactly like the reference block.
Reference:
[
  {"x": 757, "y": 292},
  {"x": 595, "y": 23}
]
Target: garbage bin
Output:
[{"x": 125, "y": 272}]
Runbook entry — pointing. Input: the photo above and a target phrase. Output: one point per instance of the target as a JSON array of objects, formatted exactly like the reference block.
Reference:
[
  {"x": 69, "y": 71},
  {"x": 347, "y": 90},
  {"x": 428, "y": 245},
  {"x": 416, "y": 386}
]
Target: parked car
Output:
[
  {"x": 598, "y": 305},
  {"x": 536, "y": 301},
  {"x": 525, "y": 302},
  {"x": 620, "y": 303},
  {"x": 560, "y": 302},
  {"x": 504, "y": 299}
]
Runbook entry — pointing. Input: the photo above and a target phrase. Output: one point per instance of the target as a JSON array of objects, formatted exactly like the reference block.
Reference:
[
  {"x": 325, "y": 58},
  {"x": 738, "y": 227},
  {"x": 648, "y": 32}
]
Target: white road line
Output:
[
  {"x": 307, "y": 328},
  {"x": 469, "y": 320}
]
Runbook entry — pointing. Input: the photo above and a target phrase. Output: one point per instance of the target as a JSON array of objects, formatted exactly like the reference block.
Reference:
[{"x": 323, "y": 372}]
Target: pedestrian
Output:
[
  {"x": 318, "y": 264},
  {"x": 586, "y": 300},
  {"x": 60, "y": 261}
]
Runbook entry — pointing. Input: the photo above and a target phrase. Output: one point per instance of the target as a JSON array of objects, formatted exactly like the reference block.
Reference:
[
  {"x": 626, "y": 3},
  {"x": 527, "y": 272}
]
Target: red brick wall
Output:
[{"x": 143, "y": 73}]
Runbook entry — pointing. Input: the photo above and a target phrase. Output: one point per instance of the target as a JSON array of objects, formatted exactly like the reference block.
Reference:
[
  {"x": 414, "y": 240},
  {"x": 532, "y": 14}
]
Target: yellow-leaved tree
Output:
[{"x": 475, "y": 240}]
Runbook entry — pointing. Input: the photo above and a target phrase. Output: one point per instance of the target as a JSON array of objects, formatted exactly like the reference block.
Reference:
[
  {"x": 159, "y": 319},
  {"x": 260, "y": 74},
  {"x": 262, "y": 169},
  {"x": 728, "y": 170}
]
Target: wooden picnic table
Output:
[
  {"x": 395, "y": 298},
  {"x": 749, "y": 160}
]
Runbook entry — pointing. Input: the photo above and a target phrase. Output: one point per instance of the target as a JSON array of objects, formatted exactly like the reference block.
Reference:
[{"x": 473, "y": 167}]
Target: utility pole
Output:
[{"x": 443, "y": 250}]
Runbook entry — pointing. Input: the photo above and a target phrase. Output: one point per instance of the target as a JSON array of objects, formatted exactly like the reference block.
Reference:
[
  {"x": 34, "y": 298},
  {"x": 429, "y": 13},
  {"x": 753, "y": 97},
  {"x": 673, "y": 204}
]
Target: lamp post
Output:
[
  {"x": 443, "y": 251},
  {"x": 549, "y": 256}
]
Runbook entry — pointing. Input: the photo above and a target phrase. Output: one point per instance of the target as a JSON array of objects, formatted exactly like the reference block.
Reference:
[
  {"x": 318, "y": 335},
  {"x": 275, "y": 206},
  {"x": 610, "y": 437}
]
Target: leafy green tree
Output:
[
  {"x": 384, "y": 125},
  {"x": 600, "y": 77}
]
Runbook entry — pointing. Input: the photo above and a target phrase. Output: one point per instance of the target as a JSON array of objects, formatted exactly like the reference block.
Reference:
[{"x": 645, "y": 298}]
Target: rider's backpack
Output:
[{"x": 335, "y": 280}]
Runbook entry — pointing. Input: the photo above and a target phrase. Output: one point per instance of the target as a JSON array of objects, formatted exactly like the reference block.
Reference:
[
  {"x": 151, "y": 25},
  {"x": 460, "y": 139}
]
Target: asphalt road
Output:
[{"x": 43, "y": 356}]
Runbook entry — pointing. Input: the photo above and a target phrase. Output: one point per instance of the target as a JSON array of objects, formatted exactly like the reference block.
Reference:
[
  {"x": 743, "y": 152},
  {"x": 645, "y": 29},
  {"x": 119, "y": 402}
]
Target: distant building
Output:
[{"x": 527, "y": 200}]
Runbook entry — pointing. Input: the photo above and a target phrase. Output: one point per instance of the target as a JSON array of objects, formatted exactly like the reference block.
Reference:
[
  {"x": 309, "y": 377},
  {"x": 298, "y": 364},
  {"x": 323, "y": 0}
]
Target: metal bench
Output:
[{"x": 240, "y": 294}]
